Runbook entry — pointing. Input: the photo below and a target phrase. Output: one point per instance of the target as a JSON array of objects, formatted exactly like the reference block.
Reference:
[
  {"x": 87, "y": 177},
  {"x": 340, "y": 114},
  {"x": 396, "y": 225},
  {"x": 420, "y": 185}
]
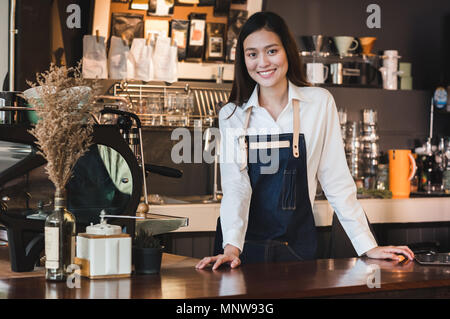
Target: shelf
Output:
[
  {"x": 342, "y": 59},
  {"x": 204, "y": 71},
  {"x": 374, "y": 89}
]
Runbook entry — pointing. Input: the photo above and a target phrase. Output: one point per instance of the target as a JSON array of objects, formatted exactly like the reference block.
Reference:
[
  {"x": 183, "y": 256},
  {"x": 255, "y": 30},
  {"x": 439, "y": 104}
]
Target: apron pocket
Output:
[
  {"x": 289, "y": 190},
  {"x": 263, "y": 251}
]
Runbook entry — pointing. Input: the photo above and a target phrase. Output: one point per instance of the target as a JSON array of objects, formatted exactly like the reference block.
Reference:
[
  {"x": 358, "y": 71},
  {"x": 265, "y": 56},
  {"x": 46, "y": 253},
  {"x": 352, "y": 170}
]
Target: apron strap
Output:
[
  {"x": 243, "y": 142},
  {"x": 296, "y": 128}
]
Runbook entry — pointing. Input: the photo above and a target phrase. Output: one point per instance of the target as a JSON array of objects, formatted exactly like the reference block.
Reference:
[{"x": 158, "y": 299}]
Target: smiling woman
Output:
[{"x": 266, "y": 216}]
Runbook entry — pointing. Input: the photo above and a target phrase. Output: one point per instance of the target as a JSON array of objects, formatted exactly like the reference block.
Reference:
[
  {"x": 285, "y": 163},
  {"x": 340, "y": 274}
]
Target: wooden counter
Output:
[
  {"x": 203, "y": 217},
  {"x": 326, "y": 278}
]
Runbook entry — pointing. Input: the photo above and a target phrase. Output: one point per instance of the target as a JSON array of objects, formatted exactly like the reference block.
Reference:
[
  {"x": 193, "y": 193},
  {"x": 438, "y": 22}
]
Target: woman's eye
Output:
[
  {"x": 272, "y": 51},
  {"x": 251, "y": 55}
]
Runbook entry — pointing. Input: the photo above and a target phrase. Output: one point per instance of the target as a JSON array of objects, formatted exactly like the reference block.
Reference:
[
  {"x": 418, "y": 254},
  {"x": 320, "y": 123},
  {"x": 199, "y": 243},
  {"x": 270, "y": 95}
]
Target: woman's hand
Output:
[
  {"x": 230, "y": 255},
  {"x": 390, "y": 252}
]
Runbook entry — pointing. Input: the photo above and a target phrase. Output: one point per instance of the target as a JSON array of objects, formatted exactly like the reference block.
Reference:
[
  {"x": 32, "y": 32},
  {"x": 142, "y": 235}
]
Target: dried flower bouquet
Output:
[{"x": 63, "y": 104}]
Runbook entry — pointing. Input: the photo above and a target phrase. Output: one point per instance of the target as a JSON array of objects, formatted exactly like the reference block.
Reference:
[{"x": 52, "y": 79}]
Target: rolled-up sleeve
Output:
[
  {"x": 338, "y": 184},
  {"x": 237, "y": 191}
]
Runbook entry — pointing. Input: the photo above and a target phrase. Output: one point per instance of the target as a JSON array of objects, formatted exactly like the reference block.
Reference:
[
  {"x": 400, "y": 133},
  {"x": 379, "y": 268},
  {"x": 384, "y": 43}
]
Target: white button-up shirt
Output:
[{"x": 326, "y": 162}]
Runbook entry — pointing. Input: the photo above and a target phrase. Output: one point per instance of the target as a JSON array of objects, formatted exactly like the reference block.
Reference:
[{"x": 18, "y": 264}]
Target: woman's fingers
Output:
[
  {"x": 222, "y": 259},
  {"x": 219, "y": 260},
  {"x": 235, "y": 263},
  {"x": 233, "y": 260},
  {"x": 391, "y": 252},
  {"x": 205, "y": 262},
  {"x": 401, "y": 250}
]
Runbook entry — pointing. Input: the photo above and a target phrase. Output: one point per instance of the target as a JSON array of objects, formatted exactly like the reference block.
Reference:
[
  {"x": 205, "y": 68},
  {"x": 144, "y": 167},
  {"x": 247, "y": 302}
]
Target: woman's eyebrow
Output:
[{"x": 266, "y": 47}]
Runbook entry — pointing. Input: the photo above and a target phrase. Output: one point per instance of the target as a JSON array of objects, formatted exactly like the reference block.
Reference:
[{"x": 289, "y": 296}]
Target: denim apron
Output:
[{"x": 281, "y": 222}]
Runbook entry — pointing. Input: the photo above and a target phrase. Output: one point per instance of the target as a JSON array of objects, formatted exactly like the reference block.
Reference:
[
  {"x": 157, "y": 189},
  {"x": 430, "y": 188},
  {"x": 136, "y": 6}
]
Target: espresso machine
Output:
[{"x": 109, "y": 177}]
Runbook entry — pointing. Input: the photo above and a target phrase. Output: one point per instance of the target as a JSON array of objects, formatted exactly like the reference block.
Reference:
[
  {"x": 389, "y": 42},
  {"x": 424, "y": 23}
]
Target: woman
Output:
[{"x": 266, "y": 213}]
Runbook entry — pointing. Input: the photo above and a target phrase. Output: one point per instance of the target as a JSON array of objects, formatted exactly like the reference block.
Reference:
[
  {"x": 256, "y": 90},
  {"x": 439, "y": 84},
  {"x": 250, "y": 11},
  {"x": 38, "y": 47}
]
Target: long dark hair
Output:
[{"x": 243, "y": 84}]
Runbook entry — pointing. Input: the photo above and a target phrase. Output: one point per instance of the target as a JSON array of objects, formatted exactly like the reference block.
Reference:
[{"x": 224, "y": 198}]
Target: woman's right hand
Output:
[{"x": 230, "y": 255}]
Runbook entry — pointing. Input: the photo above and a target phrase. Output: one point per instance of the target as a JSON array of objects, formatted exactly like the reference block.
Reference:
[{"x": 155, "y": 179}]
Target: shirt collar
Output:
[{"x": 294, "y": 92}]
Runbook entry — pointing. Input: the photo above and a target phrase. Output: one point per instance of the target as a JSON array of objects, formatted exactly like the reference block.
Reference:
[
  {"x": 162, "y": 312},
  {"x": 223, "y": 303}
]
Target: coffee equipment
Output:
[
  {"x": 368, "y": 74},
  {"x": 353, "y": 149},
  {"x": 402, "y": 167},
  {"x": 109, "y": 176},
  {"x": 115, "y": 259},
  {"x": 316, "y": 72},
  {"x": 315, "y": 45},
  {"x": 344, "y": 44},
  {"x": 389, "y": 70},
  {"x": 367, "y": 45},
  {"x": 406, "y": 80},
  {"x": 430, "y": 179},
  {"x": 337, "y": 73},
  {"x": 369, "y": 147},
  {"x": 10, "y": 99},
  {"x": 342, "y": 113},
  {"x": 350, "y": 72}
]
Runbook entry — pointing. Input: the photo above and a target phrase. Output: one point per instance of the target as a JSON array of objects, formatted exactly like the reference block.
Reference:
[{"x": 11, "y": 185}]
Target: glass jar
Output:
[{"x": 382, "y": 182}]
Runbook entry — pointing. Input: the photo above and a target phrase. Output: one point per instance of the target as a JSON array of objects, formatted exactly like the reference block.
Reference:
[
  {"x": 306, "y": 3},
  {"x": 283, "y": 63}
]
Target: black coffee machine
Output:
[{"x": 108, "y": 177}]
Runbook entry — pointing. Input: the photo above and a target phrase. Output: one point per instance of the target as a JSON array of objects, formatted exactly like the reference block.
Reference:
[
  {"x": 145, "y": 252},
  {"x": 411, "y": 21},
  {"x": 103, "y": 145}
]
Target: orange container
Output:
[{"x": 402, "y": 168}]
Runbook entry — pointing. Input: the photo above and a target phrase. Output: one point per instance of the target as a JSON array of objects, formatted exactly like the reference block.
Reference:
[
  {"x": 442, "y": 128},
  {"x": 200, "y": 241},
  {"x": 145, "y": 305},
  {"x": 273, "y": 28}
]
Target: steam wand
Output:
[{"x": 428, "y": 144}]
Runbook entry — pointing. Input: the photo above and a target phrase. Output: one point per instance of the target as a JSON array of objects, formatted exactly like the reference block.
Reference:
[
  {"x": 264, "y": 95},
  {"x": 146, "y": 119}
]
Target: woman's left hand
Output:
[{"x": 390, "y": 252}]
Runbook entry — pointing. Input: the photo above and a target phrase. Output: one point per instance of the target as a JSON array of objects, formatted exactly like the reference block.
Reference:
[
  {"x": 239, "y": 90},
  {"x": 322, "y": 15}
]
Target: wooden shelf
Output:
[{"x": 204, "y": 71}]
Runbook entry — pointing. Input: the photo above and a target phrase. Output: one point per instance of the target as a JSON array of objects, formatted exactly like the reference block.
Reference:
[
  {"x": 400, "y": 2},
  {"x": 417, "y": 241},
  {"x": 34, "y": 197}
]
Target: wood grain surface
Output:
[{"x": 327, "y": 278}]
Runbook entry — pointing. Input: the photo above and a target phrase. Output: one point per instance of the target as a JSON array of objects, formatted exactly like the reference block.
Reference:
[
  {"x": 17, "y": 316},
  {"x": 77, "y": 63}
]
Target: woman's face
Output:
[{"x": 265, "y": 58}]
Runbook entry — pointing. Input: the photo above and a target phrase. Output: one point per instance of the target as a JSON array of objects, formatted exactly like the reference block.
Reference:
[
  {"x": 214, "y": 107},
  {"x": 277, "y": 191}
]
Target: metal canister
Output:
[
  {"x": 2, "y": 113},
  {"x": 336, "y": 70}
]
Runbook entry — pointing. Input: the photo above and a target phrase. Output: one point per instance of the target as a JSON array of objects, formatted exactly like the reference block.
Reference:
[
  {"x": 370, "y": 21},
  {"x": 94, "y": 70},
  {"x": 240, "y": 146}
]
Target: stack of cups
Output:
[
  {"x": 369, "y": 147},
  {"x": 352, "y": 149}
]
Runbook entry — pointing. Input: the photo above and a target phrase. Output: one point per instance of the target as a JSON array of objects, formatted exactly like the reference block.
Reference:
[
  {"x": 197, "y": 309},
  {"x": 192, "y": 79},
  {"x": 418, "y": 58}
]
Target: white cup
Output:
[{"x": 316, "y": 72}]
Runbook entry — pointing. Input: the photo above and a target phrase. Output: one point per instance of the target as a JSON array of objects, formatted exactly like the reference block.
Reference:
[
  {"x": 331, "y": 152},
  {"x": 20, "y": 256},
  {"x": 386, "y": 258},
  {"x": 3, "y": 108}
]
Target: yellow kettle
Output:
[{"x": 402, "y": 168}]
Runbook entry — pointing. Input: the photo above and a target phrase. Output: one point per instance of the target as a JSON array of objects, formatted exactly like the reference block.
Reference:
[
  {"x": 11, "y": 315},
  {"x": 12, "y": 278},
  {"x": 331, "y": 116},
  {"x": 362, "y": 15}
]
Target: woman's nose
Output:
[{"x": 263, "y": 60}]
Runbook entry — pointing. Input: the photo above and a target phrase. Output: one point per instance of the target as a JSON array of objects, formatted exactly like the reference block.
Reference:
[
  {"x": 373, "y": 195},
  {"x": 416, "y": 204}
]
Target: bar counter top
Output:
[
  {"x": 203, "y": 217},
  {"x": 323, "y": 278}
]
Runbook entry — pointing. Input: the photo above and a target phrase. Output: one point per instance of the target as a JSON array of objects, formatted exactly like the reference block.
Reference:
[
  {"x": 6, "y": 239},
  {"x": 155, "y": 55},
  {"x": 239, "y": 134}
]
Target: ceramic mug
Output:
[
  {"x": 345, "y": 44},
  {"x": 316, "y": 72}
]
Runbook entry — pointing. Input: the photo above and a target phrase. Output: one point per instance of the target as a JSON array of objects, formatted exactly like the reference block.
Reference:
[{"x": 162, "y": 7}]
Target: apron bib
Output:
[{"x": 281, "y": 222}]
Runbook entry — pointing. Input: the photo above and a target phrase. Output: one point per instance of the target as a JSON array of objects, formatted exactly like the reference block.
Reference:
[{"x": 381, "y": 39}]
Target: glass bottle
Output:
[
  {"x": 59, "y": 239},
  {"x": 446, "y": 173},
  {"x": 439, "y": 166},
  {"x": 440, "y": 155}
]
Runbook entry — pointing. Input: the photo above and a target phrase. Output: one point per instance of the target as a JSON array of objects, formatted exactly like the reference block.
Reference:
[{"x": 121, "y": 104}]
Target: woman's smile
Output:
[{"x": 266, "y": 74}]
